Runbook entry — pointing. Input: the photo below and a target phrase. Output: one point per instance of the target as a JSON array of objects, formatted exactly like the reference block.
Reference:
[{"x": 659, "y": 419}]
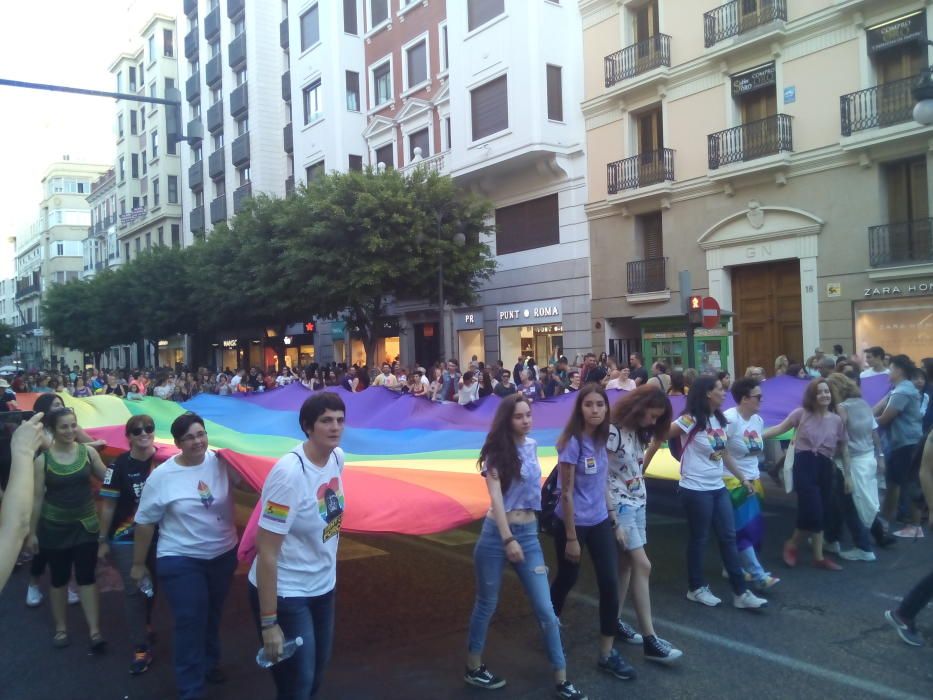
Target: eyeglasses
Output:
[
  {"x": 197, "y": 436},
  {"x": 148, "y": 429},
  {"x": 755, "y": 396}
]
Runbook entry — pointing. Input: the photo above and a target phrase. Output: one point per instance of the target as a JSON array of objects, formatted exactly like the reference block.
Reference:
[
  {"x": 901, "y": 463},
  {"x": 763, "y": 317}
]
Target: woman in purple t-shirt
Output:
[{"x": 583, "y": 518}]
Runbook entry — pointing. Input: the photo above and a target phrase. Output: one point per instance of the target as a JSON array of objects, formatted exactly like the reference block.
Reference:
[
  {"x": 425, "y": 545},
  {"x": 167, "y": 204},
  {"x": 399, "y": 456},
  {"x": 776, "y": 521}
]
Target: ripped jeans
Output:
[{"x": 489, "y": 559}]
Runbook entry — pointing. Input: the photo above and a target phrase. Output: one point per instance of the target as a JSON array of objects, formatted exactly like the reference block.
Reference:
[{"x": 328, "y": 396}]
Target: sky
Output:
[{"x": 65, "y": 43}]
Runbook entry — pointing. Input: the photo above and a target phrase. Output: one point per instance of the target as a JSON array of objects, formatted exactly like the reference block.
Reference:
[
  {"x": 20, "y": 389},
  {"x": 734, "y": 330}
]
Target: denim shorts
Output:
[{"x": 631, "y": 521}]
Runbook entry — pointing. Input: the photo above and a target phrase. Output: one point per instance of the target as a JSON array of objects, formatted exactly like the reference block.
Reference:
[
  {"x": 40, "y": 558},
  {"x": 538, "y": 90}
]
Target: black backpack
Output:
[{"x": 550, "y": 495}]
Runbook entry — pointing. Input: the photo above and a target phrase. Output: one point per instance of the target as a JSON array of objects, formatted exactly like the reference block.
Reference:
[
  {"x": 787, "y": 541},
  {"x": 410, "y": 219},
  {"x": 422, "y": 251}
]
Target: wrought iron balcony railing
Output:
[
  {"x": 645, "y": 169},
  {"x": 649, "y": 275},
  {"x": 879, "y": 106},
  {"x": 900, "y": 243},
  {"x": 756, "y": 139},
  {"x": 735, "y": 18},
  {"x": 638, "y": 58}
]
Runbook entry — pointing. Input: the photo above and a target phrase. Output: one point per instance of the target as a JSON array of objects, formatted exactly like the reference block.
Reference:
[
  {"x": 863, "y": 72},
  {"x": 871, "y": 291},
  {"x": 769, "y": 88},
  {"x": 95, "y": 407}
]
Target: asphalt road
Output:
[{"x": 404, "y": 604}]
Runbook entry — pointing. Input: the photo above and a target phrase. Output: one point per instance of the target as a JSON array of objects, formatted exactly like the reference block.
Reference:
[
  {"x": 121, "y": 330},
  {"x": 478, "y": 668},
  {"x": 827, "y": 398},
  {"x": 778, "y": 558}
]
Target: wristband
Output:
[
  {"x": 507, "y": 541},
  {"x": 268, "y": 620}
]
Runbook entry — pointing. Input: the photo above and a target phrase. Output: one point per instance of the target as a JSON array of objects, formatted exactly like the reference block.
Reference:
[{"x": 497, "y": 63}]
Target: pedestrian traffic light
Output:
[
  {"x": 173, "y": 117},
  {"x": 695, "y": 310}
]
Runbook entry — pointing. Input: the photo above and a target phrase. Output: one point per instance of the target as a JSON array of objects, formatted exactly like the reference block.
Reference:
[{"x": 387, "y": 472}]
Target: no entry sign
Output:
[{"x": 710, "y": 312}]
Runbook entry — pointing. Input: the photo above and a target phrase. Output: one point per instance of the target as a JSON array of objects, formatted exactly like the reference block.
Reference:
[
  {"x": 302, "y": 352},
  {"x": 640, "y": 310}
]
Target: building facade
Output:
[
  {"x": 101, "y": 247},
  {"x": 766, "y": 147}
]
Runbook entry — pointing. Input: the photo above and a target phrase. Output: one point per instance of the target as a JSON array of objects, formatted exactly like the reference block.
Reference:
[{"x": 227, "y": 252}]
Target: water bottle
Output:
[
  {"x": 288, "y": 649},
  {"x": 145, "y": 585}
]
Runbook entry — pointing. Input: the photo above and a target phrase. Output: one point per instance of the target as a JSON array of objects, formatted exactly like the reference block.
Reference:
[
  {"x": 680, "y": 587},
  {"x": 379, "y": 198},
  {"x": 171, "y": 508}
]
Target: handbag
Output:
[{"x": 788, "y": 470}]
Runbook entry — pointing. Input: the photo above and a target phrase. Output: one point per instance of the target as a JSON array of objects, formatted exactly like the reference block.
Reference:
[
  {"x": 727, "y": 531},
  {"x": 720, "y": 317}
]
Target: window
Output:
[
  {"x": 126, "y": 250},
  {"x": 355, "y": 162},
  {"x": 142, "y": 158},
  {"x": 555, "y": 94},
  {"x": 135, "y": 202},
  {"x": 155, "y": 144},
  {"x": 239, "y": 27},
  {"x": 132, "y": 75},
  {"x": 447, "y": 132},
  {"x": 489, "y": 108},
  {"x": 313, "y": 102},
  {"x": 133, "y": 129},
  {"x": 310, "y": 29},
  {"x": 240, "y": 76},
  {"x": 123, "y": 206},
  {"x": 142, "y": 119},
  {"x": 148, "y": 240},
  {"x": 444, "y": 51},
  {"x": 527, "y": 225},
  {"x": 242, "y": 127},
  {"x": 218, "y": 140},
  {"x": 151, "y": 48},
  {"x": 168, "y": 44},
  {"x": 142, "y": 79},
  {"x": 353, "y": 91},
  {"x": 242, "y": 176},
  {"x": 349, "y": 17},
  {"x": 134, "y": 165},
  {"x": 169, "y": 84},
  {"x": 481, "y": 11},
  {"x": 378, "y": 12},
  {"x": 173, "y": 189},
  {"x": 384, "y": 155},
  {"x": 382, "y": 84},
  {"x": 155, "y": 192},
  {"x": 120, "y": 126},
  {"x": 122, "y": 169},
  {"x": 419, "y": 139},
  {"x": 119, "y": 82},
  {"x": 215, "y": 48},
  {"x": 196, "y": 155},
  {"x": 176, "y": 236},
  {"x": 161, "y": 235},
  {"x": 313, "y": 172},
  {"x": 138, "y": 246},
  {"x": 417, "y": 57}
]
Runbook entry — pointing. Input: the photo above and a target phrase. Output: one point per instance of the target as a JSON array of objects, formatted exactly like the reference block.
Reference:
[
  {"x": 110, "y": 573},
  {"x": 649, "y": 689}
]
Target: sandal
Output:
[
  {"x": 98, "y": 643},
  {"x": 60, "y": 640}
]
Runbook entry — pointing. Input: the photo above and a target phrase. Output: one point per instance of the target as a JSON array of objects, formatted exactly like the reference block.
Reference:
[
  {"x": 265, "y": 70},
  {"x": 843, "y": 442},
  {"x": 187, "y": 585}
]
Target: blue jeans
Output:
[
  {"x": 196, "y": 590},
  {"x": 705, "y": 509},
  {"x": 489, "y": 559},
  {"x": 312, "y": 619}
]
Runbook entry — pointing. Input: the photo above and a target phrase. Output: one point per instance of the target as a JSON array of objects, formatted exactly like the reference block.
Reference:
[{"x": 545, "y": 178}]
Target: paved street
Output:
[{"x": 404, "y": 604}]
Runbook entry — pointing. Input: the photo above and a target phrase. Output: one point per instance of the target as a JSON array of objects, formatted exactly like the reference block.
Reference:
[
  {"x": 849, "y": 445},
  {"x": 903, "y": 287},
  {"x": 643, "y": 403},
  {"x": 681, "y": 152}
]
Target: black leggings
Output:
[
  {"x": 82, "y": 556},
  {"x": 604, "y": 554}
]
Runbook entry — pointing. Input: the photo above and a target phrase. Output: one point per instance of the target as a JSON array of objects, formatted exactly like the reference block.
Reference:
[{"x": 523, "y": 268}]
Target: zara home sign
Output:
[
  {"x": 900, "y": 290},
  {"x": 531, "y": 314}
]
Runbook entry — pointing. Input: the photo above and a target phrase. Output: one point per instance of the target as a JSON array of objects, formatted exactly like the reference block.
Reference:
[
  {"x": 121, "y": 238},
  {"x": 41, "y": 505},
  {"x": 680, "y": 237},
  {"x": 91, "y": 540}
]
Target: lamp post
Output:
[
  {"x": 459, "y": 239},
  {"x": 923, "y": 96}
]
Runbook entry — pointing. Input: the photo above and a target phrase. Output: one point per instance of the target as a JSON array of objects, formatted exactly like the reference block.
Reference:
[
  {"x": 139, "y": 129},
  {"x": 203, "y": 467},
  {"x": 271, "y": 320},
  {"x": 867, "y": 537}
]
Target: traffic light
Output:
[{"x": 695, "y": 312}]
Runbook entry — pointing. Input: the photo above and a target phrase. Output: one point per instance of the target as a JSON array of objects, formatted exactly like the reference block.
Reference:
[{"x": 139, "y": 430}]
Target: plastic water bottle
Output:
[
  {"x": 288, "y": 649},
  {"x": 145, "y": 585}
]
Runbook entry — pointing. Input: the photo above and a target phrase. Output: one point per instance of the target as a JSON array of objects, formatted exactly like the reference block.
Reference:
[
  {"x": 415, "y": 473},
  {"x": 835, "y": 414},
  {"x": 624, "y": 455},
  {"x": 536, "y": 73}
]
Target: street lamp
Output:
[
  {"x": 923, "y": 96},
  {"x": 459, "y": 240}
]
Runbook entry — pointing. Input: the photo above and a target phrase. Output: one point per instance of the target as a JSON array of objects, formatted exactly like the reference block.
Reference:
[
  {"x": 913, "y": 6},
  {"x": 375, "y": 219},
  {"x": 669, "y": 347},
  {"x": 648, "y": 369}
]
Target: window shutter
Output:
[
  {"x": 310, "y": 31},
  {"x": 349, "y": 17},
  {"x": 490, "y": 108},
  {"x": 528, "y": 225},
  {"x": 555, "y": 96},
  {"x": 417, "y": 64},
  {"x": 384, "y": 155},
  {"x": 380, "y": 10},
  {"x": 481, "y": 11},
  {"x": 419, "y": 139}
]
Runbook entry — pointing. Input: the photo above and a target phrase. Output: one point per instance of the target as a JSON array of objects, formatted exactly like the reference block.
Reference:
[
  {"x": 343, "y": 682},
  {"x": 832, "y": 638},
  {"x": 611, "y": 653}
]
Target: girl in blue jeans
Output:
[{"x": 509, "y": 461}]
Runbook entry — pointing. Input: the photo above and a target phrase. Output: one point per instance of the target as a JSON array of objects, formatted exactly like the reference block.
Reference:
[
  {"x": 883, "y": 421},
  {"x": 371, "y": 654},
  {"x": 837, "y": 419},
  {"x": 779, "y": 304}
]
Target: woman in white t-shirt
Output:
[
  {"x": 292, "y": 578},
  {"x": 189, "y": 497},
  {"x": 701, "y": 431}
]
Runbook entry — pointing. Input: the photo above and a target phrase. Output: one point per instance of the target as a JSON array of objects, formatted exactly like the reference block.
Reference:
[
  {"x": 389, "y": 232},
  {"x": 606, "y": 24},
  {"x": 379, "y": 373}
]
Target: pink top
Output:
[{"x": 816, "y": 434}]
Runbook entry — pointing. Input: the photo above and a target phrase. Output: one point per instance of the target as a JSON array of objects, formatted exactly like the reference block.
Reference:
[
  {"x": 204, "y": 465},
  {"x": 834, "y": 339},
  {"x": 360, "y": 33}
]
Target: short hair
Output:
[
  {"x": 183, "y": 423},
  {"x": 140, "y": 421},
  {"x": 875, "y": 351},
  {"x": 919, "y": 373},
  {"x": 314, "y": 407},
  {"x": 468, "y": 375},
  {"x": 837, "y": 349},
  {"x": 637, "y": 356},
  {"x": 452, "y": 360},
  {"x": 573, "y": 374},
  {"x": 904, "y": 364},
  {"x": 828, "y": 362},
  {"x": 743, "y": 387}
]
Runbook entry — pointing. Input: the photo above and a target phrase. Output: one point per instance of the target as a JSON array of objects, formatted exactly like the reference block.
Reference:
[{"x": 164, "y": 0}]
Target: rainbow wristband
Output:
[{"x": 268, "y": 620}]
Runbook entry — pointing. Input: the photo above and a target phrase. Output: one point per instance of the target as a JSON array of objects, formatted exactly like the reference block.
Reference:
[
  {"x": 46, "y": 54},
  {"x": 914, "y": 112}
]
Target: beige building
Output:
[{"x": 768, "y": 148}]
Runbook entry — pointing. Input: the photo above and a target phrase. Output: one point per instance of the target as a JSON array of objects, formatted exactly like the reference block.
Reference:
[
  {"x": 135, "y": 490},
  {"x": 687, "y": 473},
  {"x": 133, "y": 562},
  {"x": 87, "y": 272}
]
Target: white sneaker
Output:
[
  {"x": 73, "y": 598},
  {"x": 704, "y": 596},
  {"x": 832, "y": 547},
  {"x": 748, "y": 600},
  {"x": 33, "y": 596},
  {"x": 856, "y": 554}
]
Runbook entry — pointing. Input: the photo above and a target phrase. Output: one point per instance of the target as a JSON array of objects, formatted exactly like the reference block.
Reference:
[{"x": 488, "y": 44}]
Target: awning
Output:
[{"x": 338, "y": 329}]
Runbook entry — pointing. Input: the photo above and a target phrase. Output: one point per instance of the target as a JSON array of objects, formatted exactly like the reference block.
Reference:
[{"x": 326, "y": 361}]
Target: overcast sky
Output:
[{"x": 66, "y": 43}]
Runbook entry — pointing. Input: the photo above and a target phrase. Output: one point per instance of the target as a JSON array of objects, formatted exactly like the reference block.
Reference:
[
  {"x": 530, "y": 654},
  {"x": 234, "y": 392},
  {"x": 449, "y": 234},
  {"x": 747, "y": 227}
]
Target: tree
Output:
[
  {"x": 7, "y": 340},
  {"x": 372, "y": 238}
]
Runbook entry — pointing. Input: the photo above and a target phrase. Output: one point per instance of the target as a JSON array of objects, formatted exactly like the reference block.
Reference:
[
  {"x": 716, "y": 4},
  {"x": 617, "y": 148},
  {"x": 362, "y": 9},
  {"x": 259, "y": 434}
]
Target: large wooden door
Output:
[{"x": 766, "y": 302}]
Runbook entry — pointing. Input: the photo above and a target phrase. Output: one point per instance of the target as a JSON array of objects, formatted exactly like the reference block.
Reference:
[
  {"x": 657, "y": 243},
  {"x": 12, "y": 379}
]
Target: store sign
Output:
[
  {"x": 163, "y": 343},
  {"x": 229, "y": 343},
  {"x": 465, "y": 319},
  {"x": 386, "y": 328},
  {"x": 132, "y": 215},
  {"x": 530, "y": 314},
  {"x": 752, "y": 80},
  {"x": 900, "y": 290},
  {"x": 900, "y": 31}
]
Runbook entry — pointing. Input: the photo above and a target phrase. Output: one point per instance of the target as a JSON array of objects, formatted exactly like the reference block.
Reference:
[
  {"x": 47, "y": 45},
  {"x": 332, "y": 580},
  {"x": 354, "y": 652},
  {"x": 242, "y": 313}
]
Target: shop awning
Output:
[
  {"x": 671, "y": 309},
  {"x": 338, "y": 329}
]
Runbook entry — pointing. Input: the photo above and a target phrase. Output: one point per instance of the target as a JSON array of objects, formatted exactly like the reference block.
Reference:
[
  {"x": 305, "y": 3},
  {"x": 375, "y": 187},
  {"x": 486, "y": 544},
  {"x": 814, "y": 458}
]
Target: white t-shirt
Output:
[
  {"x": 235, "y": 382},
  {"x": 870, "y": 372},
  {"x": 468, "y": 394},
  {"x": 192, "y": 506},
  {"x": 626, "y": 469},
  {"x": 744, "y": 442},
  {"x": 305, "y": 503},
  {"x": 701, "y": 461}
]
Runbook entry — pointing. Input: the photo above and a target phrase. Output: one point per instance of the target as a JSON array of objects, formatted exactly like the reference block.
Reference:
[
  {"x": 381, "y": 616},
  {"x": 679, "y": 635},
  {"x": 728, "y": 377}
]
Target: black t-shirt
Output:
[
  {"x": 597, "y": 374},
  {"x": 124, "y": 484},
  {"x": 503, "y": 389},
  {"x": 116, "y": 390},
  {"x": 639, "y": 373}
]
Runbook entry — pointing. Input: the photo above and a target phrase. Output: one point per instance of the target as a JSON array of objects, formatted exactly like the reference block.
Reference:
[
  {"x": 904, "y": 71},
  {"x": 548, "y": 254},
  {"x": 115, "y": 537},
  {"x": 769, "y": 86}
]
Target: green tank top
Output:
[{"x": 68, "y": 515}]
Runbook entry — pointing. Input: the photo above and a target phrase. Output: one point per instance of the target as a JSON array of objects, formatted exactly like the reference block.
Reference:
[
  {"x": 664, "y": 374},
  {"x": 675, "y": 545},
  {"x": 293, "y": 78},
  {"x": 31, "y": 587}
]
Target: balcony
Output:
[
  {"x": 191, "y": 8},
  {"x": 219, "y": 209},
  {"x": 750, "y": 141},
  {"x": 215, "y": 164},
  {"x": 196, "y": 220},
  {"x": 236, "y": 51},
  {"x": 905, "y": 243},
  {"x": 287, "y": 137},
  {"x": 435, "y": 164},
  {"x": 732, "y": 19},
  {"x": 289, "y": 186},
  {"x": 234, "y": 8},
  {"x": 196, "y": 175},
  {"x": 283, "y": 33},
  {"x": 28, "y": 328},
  {"x": 194, "y": 132},
  {"x": 215, "y": 116},
  {"x": 239, "y": 150},
  {"x": 639, "y": 58},
  {"x": 212, "y": 24},
  {"x": 287, "y": 86},
  {"x": 25, "y": 290},
  {"x": 213, "y": 72},
  {"x": 193, "y": 87},
  {"x": 879, "y": 106},
  {"x": 647, "y": 276},
  {"x": 645, "y": 169},
  {"x": 240, "y": 195},
  {"x": 191, "y": 44},
  {"x": 239, "y": 101}
]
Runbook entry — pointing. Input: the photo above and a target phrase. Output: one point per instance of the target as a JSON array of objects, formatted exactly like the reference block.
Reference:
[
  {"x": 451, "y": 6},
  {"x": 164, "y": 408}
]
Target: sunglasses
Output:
[{"x": 148, "y": 429}]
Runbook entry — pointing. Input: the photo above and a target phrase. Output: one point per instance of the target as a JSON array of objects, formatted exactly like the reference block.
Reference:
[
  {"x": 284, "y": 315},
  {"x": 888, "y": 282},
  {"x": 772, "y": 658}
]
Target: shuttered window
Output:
[
  {"x": 310, "y": 29},
  {"x": 349, "y": 17},
  {"x": 489, "y": 107},
  {"x": 528, "y": 225},
  {"x": 555, "y": 94},
  {"x": 384, "y": 155},
  {"x": 380, "y": 12},
  {"x": 481, "y": 11},
  {"x": 419, "y": 139},
  {"x": 417, "y": 64}
]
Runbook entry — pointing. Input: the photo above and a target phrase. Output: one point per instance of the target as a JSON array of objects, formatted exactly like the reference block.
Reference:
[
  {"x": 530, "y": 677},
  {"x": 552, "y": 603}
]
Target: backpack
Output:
[
  {"x": 550, "y": 495},
  {"x": 678, "y": 447}
]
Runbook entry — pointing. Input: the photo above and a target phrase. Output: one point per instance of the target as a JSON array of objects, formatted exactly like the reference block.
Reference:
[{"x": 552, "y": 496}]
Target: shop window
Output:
[{"x": 528, "y": 225}]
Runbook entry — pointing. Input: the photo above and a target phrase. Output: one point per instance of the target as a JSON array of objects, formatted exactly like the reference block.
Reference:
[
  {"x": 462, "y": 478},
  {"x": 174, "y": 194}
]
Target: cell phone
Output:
[{"x": 15, "y": 417}]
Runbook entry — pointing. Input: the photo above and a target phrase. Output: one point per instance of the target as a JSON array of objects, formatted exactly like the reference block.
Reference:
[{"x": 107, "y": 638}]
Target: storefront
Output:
[
  {"x": 338, "y": 334},
  {"x": 530, "y": 330},
  {"x": 664, "y": 339},
  {"x": 468, "y": 326},
  {"x": 388, "y": 347},
  {"x": 171, "y": 351},
  {"x": 230, "y": 353},
  {"x": 299, "y": 345},
  {"x": 898, "y": 317}
]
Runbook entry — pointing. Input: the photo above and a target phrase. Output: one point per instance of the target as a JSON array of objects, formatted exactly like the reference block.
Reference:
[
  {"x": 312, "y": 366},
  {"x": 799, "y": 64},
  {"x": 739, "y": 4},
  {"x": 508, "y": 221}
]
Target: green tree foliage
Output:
[{"x": 7, "y": 340}]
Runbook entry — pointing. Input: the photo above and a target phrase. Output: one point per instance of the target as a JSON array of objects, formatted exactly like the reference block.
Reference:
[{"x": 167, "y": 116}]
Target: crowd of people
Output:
[{"x": 170, "y": 530}]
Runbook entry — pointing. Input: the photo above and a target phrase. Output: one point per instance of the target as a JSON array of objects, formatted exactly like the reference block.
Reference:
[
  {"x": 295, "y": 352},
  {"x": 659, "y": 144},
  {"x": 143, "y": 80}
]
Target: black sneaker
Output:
[
  {"x": 481, "y": 678},
  {"x": 615, "y": 665},
  {"x": 905, "y": 630},
  {"x": 660, "y": 650},
  {"x": 142, "y": 659},
  {"x": 627, "y": 633},
  {"x": 568, "y": 692}
]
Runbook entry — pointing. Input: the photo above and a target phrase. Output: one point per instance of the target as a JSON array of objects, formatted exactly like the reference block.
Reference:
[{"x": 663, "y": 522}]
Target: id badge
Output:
[{"x": 589, "y": 465}]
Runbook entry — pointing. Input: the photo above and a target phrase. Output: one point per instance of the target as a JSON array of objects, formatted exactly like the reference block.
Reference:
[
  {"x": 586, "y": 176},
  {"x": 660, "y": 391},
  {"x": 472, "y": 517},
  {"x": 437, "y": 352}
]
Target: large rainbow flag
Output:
[{"x": 411, "y": 463}]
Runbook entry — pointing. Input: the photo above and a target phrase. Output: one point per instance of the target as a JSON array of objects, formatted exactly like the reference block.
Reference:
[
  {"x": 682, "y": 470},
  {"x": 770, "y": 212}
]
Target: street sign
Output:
[{"x": 710, "y": 312}]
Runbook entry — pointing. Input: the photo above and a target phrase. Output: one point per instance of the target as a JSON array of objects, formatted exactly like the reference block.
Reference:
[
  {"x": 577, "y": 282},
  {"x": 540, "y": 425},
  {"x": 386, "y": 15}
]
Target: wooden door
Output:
[
  {"x": 646, "y": 27},
  {"x": 760, "y": 137},
  {"x": 650, "y": 145},
  {"x": 908, "y": 209},
  {"x": 895, "y": 101},
  {"x": 766, "y": 301}
]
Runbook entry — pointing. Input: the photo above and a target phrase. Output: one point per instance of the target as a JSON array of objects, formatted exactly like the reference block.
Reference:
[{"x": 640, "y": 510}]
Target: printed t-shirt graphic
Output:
[
  {"x": 753, "y": 442},
  {"x": 330, "y": 507},
  {"x": 205, "y": 493},
  {"x": 275, "y": 512}
]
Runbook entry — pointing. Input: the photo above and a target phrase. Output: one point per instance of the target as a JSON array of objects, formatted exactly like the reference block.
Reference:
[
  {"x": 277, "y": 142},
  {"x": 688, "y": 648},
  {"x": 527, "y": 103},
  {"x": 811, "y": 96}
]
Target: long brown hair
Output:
[
  {"x": 499, "y": 451},
  {"x": 631, "y": 408},
  {"x": 576, "y": 424},
  {"x": 809, "y": 396}
]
